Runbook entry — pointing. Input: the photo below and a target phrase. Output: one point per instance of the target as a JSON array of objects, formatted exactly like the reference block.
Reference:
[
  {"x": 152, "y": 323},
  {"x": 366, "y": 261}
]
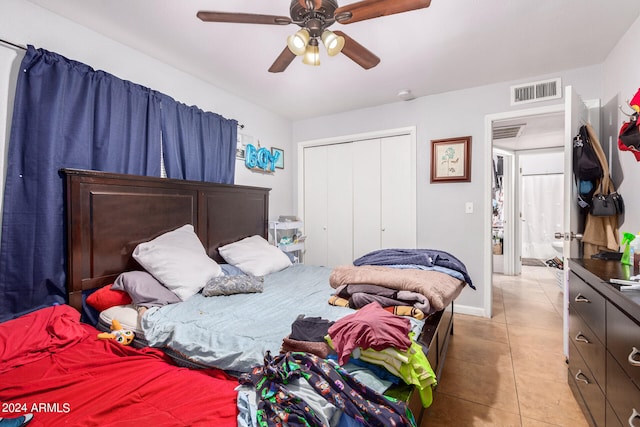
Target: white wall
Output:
[
  {"x": 24, "y": 23},
  {"x": 542, "y": 162},
  {"x": 621, "y": 81},
  {"x": 8, "y": 71},
  {"x": 442, "y": 223}
]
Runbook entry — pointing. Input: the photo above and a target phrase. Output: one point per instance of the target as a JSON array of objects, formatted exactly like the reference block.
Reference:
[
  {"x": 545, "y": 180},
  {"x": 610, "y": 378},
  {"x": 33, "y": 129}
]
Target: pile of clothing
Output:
[
  {"x": 407, "y": 282},
  {"x": 308, "y": 383}
]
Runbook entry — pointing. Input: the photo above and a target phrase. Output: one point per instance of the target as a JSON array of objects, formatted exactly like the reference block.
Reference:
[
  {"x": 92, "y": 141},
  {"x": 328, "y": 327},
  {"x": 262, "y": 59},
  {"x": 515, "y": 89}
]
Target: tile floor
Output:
[{"x": 509, "y": 370}]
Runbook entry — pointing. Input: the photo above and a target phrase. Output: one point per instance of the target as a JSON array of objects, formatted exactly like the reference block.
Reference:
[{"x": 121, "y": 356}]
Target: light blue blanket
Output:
[{"x": 234, "y": 332}]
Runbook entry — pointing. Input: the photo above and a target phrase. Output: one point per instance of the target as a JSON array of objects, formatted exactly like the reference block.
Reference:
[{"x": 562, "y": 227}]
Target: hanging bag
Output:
[
  {"x": 607, "y": 204},
  {"x": 586, "y": 166}
]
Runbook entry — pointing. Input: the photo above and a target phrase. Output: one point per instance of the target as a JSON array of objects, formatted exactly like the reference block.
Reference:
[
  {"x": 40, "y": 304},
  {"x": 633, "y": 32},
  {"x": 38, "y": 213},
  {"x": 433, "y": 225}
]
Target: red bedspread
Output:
[{"x": 53, "y": 366}]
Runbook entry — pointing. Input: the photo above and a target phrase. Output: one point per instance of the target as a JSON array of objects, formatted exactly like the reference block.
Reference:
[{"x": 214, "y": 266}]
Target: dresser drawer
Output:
[
  {"x": 623, "y": 395},
  {"x": 612, "y": 419},
  {"x": 589, "y": 304},
  {"x": 623, "y": 342},
  {"x": 581, "y": 379},
  {"x": 588, "y": 345}
]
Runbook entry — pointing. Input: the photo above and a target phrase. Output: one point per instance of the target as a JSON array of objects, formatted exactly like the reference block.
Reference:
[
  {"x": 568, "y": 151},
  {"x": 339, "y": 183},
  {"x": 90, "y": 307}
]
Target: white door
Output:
[
  {"x": 315, "y": 205},
  {"x": 366, "y": 197},
  {"x": 328, "y": 206},
  {"x": 339, "y": 205},
  {"x": 576, "y": 114},
  {"x": 398, "y": 223},
  {"x": 383, "y": 194}
]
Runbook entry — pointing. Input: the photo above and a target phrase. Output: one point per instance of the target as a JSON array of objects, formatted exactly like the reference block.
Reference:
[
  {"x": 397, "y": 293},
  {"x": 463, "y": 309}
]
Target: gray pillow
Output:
[
  {"x": 231, "y": 270},
  {"x": 144, "y": 289},
  {"x": 229, "y": 285}
]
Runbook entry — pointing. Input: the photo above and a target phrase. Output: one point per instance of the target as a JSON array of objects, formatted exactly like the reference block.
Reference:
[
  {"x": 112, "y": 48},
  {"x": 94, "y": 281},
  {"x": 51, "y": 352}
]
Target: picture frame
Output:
[
  {"x": 451, "y": 160},
  {"x": 280, "y": 163}
]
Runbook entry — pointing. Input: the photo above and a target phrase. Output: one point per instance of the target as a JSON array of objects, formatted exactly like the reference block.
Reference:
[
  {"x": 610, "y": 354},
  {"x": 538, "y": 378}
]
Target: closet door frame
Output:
[{"x": 410, "y": 131}]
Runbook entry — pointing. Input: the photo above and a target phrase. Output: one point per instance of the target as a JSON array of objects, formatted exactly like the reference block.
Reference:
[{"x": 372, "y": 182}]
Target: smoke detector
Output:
[{"x": 405, "y": 95}]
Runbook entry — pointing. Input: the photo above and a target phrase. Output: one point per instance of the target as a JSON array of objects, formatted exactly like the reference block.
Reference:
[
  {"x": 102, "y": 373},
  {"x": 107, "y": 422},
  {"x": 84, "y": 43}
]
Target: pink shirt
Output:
[{"x": 370, "y": 327}]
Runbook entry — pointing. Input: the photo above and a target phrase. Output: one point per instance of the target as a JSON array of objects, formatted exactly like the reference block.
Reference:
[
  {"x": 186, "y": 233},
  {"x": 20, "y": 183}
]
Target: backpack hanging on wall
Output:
[{"x": 586, "y": 167}]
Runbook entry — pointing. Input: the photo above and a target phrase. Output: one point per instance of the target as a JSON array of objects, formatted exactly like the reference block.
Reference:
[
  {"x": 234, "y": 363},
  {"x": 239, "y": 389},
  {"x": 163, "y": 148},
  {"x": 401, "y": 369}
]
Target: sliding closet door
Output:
[
  {"x": 398, "y": 193},
  {"x": 340, "y": 205},
  {"x": 315, "y": 205},
  {"x": 367, "y": 212},
  {"x": 328, "y": 205},
  {"x": 384, "y": 194}
]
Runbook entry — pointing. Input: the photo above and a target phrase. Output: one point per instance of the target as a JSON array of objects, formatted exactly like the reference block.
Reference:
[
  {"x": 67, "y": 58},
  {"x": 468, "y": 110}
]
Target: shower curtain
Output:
[{"x": 542, "y": 214}]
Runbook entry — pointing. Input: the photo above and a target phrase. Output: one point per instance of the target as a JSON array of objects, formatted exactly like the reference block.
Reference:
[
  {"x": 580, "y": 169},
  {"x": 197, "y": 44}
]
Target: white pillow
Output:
[
  {"x": 254, "y": 255},
  {"x": 178, "y": 260}
]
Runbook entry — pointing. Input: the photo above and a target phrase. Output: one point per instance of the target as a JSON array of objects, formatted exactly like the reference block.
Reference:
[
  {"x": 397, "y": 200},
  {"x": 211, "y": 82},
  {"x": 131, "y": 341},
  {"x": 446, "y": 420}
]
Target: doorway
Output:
[
  {"x": 511, "y": 233},
  {"x": 528, "y": 161}
]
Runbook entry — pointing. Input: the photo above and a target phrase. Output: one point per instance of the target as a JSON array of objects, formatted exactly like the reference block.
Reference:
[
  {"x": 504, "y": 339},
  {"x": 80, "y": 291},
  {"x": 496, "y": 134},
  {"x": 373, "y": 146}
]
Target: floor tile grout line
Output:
[
  {"x": 513, "y": 368},
  {"x": 537, "y": 280}
]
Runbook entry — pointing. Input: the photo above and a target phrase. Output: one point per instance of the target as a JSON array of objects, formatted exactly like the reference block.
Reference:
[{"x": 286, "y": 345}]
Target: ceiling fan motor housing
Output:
[{"x": 316, "y": 20}]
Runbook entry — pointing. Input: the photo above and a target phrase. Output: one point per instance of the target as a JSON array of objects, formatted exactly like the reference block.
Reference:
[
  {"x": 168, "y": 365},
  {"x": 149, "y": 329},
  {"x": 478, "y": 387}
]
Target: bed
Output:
[{"x": 109, "y": 215}]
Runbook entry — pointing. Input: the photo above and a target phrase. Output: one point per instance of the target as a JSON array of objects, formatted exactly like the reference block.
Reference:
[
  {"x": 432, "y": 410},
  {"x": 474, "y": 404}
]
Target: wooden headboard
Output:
[{"x": 109, "y": 214}]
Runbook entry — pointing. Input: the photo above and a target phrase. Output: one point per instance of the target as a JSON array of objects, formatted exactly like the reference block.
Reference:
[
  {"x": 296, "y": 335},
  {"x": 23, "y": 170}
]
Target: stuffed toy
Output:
[{"x": 123, "y": 336}]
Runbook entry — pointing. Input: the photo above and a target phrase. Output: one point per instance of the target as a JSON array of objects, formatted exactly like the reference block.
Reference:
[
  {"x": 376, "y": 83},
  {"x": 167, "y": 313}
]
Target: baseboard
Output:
[{"x": 470, "y": 310}]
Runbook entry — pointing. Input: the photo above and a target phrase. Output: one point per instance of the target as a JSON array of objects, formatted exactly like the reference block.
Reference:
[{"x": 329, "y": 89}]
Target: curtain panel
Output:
[
  {"x": 68, "y": 115},
  {"x": 65, "y": 115},
  {"x": 197, "y": 145}
]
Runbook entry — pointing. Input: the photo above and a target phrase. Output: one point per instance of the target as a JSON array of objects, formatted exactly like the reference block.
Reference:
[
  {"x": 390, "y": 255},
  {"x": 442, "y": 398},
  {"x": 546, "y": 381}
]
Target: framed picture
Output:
[
  {"x": 240, "y": 153},
  {"x": 280, "y": 161},
  {"x": 451, "y": 160}
]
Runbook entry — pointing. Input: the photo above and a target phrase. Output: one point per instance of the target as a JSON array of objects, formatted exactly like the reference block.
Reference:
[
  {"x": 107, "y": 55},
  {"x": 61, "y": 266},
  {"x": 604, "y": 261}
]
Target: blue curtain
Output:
[
  {"x": 197, "y": 145},
  {"x": 66, "y": 115}
]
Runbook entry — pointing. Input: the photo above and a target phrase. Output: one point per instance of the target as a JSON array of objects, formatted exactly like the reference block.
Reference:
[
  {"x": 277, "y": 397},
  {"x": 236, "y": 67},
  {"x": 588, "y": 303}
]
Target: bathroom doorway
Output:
[{"x": 529, "y": 164}]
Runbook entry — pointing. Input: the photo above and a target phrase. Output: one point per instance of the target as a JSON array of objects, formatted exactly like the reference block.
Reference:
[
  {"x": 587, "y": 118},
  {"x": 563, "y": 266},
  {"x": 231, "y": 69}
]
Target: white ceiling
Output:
[
  {"x": 452, "y": 44},
  {"x": 537, "y": 131}
]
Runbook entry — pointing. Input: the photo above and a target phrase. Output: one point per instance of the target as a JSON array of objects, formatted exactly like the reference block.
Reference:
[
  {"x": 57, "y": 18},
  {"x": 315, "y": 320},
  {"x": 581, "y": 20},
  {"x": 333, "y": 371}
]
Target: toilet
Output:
[{"x": 558, "y": 246}]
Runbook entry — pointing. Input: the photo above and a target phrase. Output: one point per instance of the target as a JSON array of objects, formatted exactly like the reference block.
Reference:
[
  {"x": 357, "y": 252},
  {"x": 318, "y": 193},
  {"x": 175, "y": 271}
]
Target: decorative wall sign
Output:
[
  {"x": 278, "y": 156},
  {"x": 451, "y": 160},
  {"x": 259, "y": 158}
]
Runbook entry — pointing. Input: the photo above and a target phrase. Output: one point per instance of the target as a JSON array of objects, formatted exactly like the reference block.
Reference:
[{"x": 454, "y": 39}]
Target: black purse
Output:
[
  {"x": 607, "y": 204},
  {"x": 630, "y": 133}
]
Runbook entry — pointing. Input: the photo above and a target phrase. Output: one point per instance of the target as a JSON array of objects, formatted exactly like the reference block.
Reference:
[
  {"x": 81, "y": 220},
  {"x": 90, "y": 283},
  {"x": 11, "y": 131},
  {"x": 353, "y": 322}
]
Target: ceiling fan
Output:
[{"x": 314, "y": 17}]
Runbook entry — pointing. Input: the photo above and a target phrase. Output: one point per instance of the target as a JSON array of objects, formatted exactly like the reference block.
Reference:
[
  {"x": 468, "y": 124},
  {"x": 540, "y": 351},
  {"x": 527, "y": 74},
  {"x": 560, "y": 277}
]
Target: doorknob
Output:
[{"x": 568, "y": 236}]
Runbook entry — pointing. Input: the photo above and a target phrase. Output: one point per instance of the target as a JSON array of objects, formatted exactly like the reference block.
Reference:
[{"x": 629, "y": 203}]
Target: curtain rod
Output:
[{"x": 13, "y": 44}]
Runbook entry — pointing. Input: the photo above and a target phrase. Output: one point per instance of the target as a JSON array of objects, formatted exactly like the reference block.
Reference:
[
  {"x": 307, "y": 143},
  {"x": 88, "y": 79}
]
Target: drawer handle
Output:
[
  {"x": 580, "y": 337},
  {"x": 580, "y": 298},
  {"x": 632, "y": 357},
  {"x": 585, "y": 379},
  {"x": 634, "y": 415}
]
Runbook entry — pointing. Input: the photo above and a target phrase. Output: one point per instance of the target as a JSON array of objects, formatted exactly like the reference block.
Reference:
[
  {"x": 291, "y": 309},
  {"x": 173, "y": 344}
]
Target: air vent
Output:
[
  {"x": 510, "y": 131},
  {"x": 536, "y": 91}
]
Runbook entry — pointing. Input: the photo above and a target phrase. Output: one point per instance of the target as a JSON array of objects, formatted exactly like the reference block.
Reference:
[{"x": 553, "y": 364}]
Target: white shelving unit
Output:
[{"x": 287, "y": 229}]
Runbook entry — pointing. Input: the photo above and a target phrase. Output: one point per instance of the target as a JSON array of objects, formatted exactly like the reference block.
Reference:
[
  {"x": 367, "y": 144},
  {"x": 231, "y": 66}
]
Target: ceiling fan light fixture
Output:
[
  {"x": 312, "y": 53},
  {"x": 332, "y": 42},
  {"x": 298, "y": 42}
]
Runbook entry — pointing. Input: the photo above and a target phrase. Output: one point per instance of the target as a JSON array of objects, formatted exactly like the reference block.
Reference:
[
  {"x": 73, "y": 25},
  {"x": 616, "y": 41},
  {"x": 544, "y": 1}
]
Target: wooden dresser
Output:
[{"x": 604, "y": 343}]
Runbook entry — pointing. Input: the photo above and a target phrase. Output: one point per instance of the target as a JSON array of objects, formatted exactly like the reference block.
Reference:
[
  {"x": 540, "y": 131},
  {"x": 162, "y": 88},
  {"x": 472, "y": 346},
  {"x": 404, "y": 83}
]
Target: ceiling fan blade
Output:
[
  {"x": 243, "y": 18},
  {"x": 282, "y": 61},
  {"x": 369, "y": 9},
  {"x": 358, "y": 53}
]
